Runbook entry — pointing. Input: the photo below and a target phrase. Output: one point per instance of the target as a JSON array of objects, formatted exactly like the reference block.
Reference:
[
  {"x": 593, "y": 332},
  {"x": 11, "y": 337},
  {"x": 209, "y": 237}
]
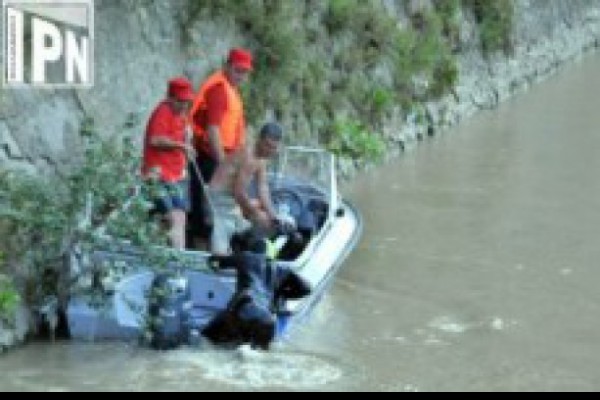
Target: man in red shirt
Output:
[
  {"x": 219, "y": 124},
  {"x": 166, "y": 148}
]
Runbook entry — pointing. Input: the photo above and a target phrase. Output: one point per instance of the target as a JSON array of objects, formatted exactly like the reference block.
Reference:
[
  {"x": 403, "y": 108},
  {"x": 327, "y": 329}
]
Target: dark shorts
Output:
[{"x": 172, "y": 196}]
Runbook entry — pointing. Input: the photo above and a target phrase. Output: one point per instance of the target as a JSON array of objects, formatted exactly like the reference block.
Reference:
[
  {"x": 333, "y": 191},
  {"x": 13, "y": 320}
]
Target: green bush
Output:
[
  {"x": 340, "y": 14},
  {"x": 445, "y": 77},
  {"x": 422, "y": 51},
  {"x": 351, "y": 139},
  {"x": 9, "y": 298},
  {"x": 495, "y": 21},
  {"x": 448, "y": 11},
  {"x": 279, "y": 47},
  {"x": 43, "y": 216},
  {"x": 382, "y": 100},
  {"x": 429, "y": 44},
  {"x": 405, "y": 42}
]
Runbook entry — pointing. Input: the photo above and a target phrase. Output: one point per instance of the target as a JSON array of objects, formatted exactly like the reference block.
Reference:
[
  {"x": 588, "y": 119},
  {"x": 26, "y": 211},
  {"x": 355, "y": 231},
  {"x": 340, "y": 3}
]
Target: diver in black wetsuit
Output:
[{"x": 251, "y": 315}]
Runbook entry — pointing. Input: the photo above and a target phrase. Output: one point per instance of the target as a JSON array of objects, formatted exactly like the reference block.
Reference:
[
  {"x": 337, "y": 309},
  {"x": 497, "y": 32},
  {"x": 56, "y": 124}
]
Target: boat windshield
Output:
[{"x": 308, "y": 166}]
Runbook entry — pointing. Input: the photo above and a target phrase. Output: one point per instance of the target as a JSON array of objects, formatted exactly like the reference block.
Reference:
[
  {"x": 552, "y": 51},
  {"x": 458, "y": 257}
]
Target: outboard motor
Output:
[{"x": 169, "y": 303}]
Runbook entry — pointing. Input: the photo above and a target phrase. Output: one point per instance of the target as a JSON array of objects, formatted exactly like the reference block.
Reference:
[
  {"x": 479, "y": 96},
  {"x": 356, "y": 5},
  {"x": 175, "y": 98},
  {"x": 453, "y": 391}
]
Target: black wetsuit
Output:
[{"x": 251, "y": 316}]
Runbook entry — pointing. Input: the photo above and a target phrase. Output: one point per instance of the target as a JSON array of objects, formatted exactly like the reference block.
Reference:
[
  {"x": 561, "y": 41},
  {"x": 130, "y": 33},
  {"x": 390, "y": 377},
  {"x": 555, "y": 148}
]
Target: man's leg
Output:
[
  {"x": 221, "y": 237},
  {"x": 177, "y": 219},
  {"x": 226, "y": 222},
  {"x": 176, "y": 205}
]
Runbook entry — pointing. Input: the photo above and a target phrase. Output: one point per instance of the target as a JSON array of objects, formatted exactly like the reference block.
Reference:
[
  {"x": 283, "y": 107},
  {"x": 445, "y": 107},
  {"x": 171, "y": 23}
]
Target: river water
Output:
[{"x": 478, "y": 271}]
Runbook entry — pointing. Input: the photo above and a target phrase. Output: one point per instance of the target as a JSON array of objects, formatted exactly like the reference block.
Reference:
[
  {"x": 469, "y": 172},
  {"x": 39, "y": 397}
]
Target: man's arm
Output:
[
  {"x": 165, "y": 143},
  {"x": 240, "y": 184},
  {"x": 264, "y": 193},
  {"x": 214, "y": 137},
  {"x": 251, "y": 209},
  {"x": 160, "y": 136}
]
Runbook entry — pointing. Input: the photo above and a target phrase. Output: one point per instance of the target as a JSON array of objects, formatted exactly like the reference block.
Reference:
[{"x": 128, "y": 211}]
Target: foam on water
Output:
[
  {"x": 450, "y": 325},
  {"x": 246, "y": 367}
]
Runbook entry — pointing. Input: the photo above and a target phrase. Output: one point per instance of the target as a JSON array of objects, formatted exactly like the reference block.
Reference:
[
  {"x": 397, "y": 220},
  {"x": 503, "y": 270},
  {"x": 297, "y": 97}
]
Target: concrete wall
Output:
[{"x": 138, "y": 47}]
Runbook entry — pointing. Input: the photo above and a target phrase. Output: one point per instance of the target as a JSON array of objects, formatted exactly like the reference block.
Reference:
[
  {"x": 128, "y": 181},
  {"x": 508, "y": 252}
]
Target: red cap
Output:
[
  {"x": 240, "y": 58},
  {"x": 181, "y": 89}
]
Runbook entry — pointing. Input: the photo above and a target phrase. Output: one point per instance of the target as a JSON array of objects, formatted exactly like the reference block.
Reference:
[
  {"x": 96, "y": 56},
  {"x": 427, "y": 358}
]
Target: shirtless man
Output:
[{"x": 234, "y": 210}]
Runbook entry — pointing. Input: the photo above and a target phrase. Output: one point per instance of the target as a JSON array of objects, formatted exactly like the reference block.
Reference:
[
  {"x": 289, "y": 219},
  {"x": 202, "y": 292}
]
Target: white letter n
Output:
[{"x": 76, "y": 56}]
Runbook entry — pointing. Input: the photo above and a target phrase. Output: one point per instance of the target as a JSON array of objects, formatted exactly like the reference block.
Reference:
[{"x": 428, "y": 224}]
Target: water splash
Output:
[
  {"x": 450, "y": 325},
  {"x": 246, "y": 367}
]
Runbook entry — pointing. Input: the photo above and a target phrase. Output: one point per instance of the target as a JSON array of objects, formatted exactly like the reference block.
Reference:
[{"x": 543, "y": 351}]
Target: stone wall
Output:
[
  {"x": 548, "y": 33},
  {"x": 139, "y": 46}
]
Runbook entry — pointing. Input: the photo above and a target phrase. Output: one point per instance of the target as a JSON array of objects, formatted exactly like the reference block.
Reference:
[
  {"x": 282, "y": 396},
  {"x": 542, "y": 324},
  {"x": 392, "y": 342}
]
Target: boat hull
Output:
[{"x": 123, "y": 316}]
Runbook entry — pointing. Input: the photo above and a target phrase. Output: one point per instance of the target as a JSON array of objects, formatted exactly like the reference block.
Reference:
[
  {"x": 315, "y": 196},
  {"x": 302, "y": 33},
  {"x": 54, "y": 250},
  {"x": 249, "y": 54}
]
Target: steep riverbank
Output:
[{"x": 140, "y": 44}]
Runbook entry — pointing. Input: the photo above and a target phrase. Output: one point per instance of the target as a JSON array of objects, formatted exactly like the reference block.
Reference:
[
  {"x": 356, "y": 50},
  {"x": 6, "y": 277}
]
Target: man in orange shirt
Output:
[
  {"x": 219, "y": 125},
  {"x": 166, "y": 148}
]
